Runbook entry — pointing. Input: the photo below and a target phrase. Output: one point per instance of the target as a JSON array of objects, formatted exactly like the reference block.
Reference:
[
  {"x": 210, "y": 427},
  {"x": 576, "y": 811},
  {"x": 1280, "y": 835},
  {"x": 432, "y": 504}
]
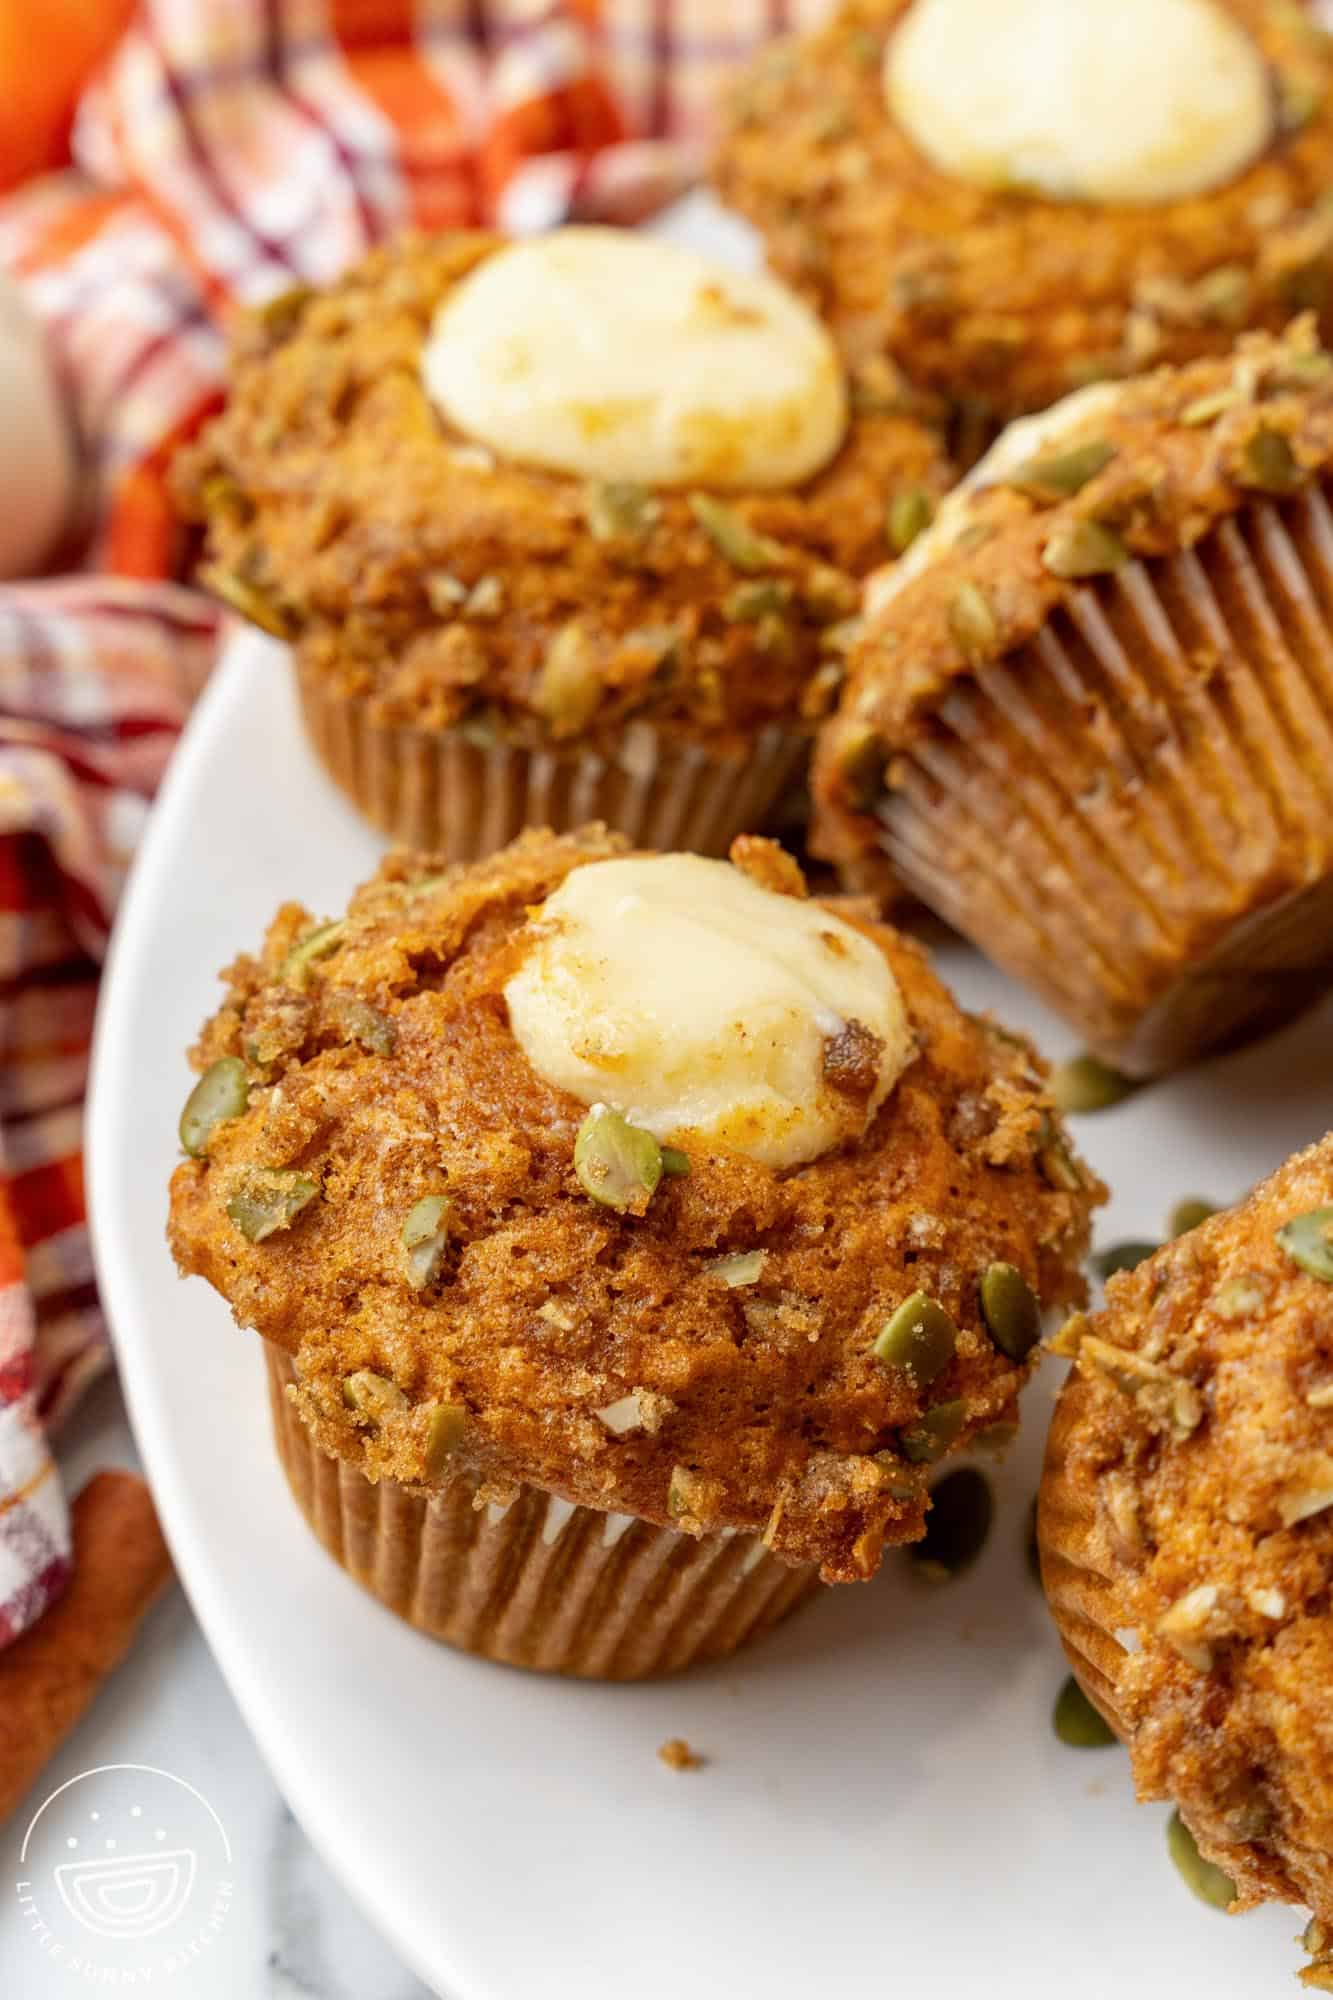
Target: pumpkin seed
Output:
[
  {"x": 910, "y": 514},
  {"x": 1270, "y": 463},
  {"x": 830, "y": 594},
  {"x": 933, "y": 1434},
  {"x": 445, "y": 1426},
  {"x": 1057, "y": 1163},
  {"x": 619, "y": 511},
  {"x": 1204, "y": 408},
  {"x": 372, "y": 1396},
  {"x": 1189, "y": 1214},
  {"x": 1308, "y": 1241},
  {"x": 268, "y": 1199},
  {"x": 569, "y": 686},
  {"x": 1077, "y": 1723},
  {"x": 1300, "y": 97},
  {"x": 1207, "y": 1881},
  {"x": 617, "y": 1163},
  {"x": 221, "y": 1093},
  {"x": 961, "y": 1511},
  {"x": 1224, "y": 294},
  {"x": 249, "y": 601},
  {"x": 972, "y": 622},
  {"x": 675, "y": 1164},
  {"x": 919, "y": 1337},
  {"x": 1011, "y": 1311},
  {"x": 1084, "y": 548},
  {"x": 1125, "y": 1256},
  {"x": 733, "y": 538},
  {"x": 1086, "y": 1084},
  {"x": 425, "y": 1238},
  {"x": 316, "y": 944},
  {"x": 749, "y": 602},
  {"x": 1059, "y": 475}
]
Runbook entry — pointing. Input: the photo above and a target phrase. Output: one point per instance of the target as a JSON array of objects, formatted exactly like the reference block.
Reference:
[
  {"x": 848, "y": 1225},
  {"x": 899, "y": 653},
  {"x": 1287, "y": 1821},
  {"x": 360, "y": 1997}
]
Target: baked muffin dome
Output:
[
  {"x": 1074, "y": 193},
  {"x": 691, "y": 1344},
  {"x": 1185, "y": 1501},
  {"x": 437, "y": 590},
  {"x": 1090, "y": 721}
]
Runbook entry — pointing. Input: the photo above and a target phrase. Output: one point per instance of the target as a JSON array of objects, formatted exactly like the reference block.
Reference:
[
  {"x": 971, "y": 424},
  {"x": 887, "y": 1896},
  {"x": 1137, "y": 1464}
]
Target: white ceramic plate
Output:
[
  {"x": 886, "y": 1805},
  {"x": 885, "y": 1811}
]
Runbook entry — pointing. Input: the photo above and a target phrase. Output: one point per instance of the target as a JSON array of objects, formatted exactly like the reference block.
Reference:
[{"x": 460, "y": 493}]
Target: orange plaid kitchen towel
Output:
[{"x": 226, "y": 150}]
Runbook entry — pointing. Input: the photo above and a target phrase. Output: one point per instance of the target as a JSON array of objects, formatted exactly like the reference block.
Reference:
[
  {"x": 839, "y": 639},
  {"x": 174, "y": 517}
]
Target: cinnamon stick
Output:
[{"x": 49, "y": 1677}]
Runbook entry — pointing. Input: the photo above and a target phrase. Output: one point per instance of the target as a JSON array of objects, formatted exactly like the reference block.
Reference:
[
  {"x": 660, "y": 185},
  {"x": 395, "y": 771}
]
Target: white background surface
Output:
[{"x": 886, "y": 1808}]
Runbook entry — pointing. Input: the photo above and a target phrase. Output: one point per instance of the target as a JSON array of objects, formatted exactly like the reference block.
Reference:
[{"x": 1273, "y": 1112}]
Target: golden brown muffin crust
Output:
[
  {"x": 417, "y": 571},
  {"x": 995, "y": 295},
  {"x": 1204, "y": 1440},
  {"x": 1185, "y": 449},
  {"x": 764, "y": 1409}
]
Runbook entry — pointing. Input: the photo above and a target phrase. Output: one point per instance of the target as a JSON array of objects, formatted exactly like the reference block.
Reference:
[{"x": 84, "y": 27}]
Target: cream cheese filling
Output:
[
  {"x": 693, "y": 1001},
  {"x": 1136, "y": 101},
  {"x": 623, "y": 358}
]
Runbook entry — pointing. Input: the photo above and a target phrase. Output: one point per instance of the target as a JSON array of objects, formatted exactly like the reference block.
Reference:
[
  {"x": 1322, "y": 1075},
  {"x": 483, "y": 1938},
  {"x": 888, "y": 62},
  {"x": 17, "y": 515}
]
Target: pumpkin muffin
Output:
[
  {"x": 557, "y": 529},
  {"x": 1186, "y": 1536},
  {"x": 1091, "y": 718},
  {"x": 1015, "y": 200},
  {"x": 629, "y": 1234}
]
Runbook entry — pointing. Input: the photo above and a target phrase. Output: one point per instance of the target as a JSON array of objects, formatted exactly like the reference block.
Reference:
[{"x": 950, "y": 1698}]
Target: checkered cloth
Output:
[{"x": 226, "y": 150}]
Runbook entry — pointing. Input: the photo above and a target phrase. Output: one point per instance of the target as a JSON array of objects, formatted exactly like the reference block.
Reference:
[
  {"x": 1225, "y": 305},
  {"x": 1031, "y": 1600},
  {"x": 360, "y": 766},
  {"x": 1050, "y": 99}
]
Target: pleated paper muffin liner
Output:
[
  {"x": 541, "y": 1583},
  {"x": 1075, "y": 1574},
  {"x": 439, "y": 791},
  {"x": 1133, "y": 813}
]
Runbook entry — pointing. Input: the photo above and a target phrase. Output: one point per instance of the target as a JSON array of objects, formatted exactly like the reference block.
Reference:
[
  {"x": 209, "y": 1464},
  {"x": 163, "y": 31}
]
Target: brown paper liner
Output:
[
  {"x": 438, "y": 791},
  {"x": 1074, "y": 1574},
  {"x": 540, "y": 1586},
  {"x": 1134, "y": 812}
]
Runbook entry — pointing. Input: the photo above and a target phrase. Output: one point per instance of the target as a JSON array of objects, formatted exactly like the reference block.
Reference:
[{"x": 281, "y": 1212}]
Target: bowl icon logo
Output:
[
  {"x": 125, "y": 1877},
  {"x": 131, "y": 1897}
]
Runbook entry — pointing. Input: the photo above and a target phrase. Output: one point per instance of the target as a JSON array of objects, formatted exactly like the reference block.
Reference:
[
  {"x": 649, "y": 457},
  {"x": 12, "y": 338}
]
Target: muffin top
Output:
[
  {"x": 742, "y": 1249},
  {"x": 1115, "y": 472},
  {"x": 537, "y": 488},
  {"x": 1205, "y": 1432},
  {"x": 1017, "y": 199}
]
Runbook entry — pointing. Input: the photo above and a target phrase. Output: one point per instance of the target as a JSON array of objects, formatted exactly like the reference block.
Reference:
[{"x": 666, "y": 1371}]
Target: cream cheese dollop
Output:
[
  {"x": 1074, "y": 420},
  {"x": 679, "y": 991},
  {"x": 620, "y": 357},
  {"x": 1136, "y": 101}
]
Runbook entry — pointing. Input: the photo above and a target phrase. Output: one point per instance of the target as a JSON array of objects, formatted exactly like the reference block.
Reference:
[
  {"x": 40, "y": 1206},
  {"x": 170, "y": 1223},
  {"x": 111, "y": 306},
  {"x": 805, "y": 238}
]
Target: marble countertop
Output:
[{"x": 291, "y": 1932}]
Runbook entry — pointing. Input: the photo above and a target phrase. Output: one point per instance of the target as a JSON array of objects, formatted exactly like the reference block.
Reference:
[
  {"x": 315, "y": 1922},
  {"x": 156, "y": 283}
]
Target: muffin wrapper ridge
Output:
[
  {"x": 438, "y": 791},
  {"x": 544, "y": 1584},
  {"x": 1133, "y": 813},
  {"x": 1079, "y": 1593}
]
